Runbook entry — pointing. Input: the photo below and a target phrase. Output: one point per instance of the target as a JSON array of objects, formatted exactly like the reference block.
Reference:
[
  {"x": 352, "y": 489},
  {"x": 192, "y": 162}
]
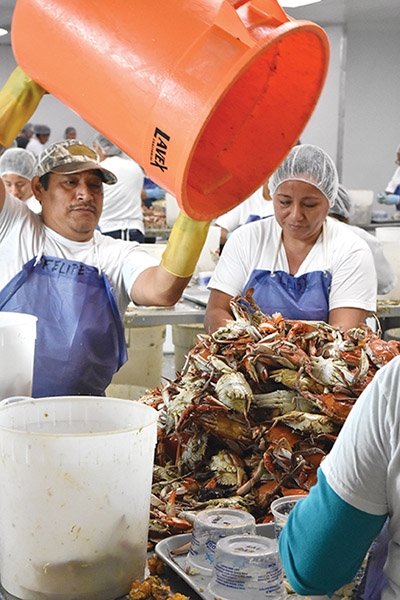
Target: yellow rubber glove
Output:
[
  {"x": 184, "y": 246},
  {"x": 19, "y": 99}
]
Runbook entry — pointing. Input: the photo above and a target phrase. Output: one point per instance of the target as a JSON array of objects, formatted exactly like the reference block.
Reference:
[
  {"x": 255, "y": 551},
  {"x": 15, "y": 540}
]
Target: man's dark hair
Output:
[{"x": 44, "y": 180}]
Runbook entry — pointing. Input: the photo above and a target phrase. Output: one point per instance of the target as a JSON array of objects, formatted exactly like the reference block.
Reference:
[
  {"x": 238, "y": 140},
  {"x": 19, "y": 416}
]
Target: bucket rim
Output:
[
  {"x": 286, "y": 29},
  {"x": 153, "y": 417},
  {"x": 18, "y": 316}
]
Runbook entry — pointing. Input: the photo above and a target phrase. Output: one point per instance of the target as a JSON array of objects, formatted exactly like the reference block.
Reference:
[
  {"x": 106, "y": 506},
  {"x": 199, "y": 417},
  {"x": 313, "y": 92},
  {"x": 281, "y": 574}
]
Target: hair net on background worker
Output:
[
  {"x": 28, "y": 128},
  {"x": 310, "y": 164},
  {"x": 107, "y": 147},
  {"x": 41, "y": 130},
  {"x": 342, "y": 205},
  {"x": 18, "y": 161}
]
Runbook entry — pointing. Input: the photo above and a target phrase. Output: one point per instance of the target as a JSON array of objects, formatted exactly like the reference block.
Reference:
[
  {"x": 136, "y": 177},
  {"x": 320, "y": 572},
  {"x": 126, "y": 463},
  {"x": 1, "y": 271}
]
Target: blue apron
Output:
[
  {"x": 80, "y": 341},
  {"x": 305, "y": 297}
]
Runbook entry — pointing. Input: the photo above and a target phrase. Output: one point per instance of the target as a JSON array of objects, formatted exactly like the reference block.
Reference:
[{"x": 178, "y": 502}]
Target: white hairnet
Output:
[
  {"x": 342, "y": 205},
  {"x": 107, "y": 147},
  {"x": 41, "y": 129},
  {"x": 18, "y": 161},
  {"x": 310, "y": 164}
]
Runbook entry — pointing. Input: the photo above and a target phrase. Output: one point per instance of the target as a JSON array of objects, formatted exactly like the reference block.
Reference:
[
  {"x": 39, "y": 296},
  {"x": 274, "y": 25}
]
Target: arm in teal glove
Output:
[
  {"x": 388, "y": 199},
  {"x": 325, "y": 540}
]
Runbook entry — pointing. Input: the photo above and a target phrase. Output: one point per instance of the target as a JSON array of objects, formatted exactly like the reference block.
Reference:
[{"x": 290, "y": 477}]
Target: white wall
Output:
[
  {"x": 50, "y": 111},
  {"x": 372, "y": 120},
  {"x": 368, "y": 105},
  {"x": 323, "y": 126}
]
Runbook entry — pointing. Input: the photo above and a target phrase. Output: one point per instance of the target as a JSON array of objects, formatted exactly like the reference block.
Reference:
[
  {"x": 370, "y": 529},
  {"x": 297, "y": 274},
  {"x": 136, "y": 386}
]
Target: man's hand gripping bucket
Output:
[{"x": 208, "y": 97}]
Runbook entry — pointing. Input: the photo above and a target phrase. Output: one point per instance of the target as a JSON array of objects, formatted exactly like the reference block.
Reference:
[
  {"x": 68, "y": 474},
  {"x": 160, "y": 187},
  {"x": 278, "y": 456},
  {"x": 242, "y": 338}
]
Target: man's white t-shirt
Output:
[
  {"x": 255, "y": 205},
  {"x": 23, "y": 236},
  {"x": 363, "y": 467},
  {"x": 347, "y": 258},
  {"x": 122, "y": 203}
]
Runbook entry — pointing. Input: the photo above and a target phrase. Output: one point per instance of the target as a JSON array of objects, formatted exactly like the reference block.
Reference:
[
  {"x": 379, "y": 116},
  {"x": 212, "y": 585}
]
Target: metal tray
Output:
[{"x": 199, "y": 582}]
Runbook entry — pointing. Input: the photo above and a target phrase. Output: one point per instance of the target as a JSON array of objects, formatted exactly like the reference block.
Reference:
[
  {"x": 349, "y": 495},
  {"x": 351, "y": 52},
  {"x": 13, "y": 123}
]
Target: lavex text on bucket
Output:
[{"x": 76, "y": 475}]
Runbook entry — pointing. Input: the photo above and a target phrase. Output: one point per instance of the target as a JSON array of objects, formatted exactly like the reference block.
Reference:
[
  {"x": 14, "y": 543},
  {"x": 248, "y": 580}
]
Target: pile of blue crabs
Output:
[{"x": 256, "y": 407}]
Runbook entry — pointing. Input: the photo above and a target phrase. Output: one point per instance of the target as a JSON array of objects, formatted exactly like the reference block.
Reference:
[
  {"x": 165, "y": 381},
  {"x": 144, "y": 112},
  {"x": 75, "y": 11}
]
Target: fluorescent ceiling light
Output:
[
  {"x": 296, "y": 3},
  {"x": 3, "y": 31}
]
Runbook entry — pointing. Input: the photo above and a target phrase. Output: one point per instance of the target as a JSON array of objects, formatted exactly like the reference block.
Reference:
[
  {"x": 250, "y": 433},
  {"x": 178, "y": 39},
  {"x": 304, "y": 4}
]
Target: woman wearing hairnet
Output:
[
  {"x": 17, "y": 167},
  {"x": 387, "y": 278},
  {"x": 298, "y": 262}
]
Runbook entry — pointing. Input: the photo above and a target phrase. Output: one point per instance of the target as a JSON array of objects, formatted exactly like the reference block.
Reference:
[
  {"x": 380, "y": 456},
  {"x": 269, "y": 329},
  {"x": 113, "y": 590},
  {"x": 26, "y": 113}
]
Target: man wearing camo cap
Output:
[{"x": 77, "y": 281}]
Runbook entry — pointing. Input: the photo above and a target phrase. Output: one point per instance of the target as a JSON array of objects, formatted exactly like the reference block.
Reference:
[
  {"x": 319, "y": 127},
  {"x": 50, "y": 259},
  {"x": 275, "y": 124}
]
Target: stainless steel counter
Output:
[
  {"x": 183, "y": 312},
  {"x": 186, "y": 311}
]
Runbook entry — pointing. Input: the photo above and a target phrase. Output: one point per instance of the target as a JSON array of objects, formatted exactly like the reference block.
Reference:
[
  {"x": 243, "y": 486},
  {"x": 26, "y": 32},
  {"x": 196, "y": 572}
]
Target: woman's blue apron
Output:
[
  {"x": 305, "y": 297},
  {"x": 80, "y": 340}
]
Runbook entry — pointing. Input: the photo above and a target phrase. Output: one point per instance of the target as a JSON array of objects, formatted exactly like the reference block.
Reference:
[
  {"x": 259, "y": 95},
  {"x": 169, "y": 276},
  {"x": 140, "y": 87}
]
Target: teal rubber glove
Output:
[
  {"x": 388, "y": 198},
  {"x": 154, "y": 193}
]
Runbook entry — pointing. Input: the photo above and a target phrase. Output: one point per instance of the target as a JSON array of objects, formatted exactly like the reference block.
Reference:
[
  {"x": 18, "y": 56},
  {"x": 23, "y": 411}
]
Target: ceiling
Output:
[{"x": 327, "y": 12}]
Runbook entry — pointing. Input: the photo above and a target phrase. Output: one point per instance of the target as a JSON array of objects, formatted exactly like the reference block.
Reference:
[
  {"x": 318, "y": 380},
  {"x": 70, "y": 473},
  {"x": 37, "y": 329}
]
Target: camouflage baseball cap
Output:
[{"x": 71, "y": 156}]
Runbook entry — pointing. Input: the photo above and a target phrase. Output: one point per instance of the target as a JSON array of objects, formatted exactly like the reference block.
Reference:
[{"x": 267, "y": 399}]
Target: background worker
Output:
[
  {"x": 38, "y": 142},
  {"x": 386, "y": 276},
  {"x": 77, "y": 281},
  {"x": 122, "y": 216},
  {"x": 297, "y": 262},
  {"x": 329, "y": 531},
  {"x": 257, "y": 206},
  {"x": 17, "y": 168},
  {"x": 24, "y": 136},
  {"x": 70, "y": 133},
  {"x": 392, "y": 192}
]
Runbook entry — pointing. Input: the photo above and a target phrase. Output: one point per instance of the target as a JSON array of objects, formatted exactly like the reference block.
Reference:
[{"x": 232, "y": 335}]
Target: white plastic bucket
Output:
[
  {"x": 76, "y": 478},
  {"x": 388, "y": 234},
  {"x": 361, "y": 209},
  {"x": 389, "y": 237},
  {"x": 145, "y": 355},
  {"x": 184, "y": 337},
  {"x": 17, "y": 352}
]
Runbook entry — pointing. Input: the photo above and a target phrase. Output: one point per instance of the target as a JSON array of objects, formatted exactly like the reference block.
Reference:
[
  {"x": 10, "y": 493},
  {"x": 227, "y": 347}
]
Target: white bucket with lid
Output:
[
  {"x": 389, "y": 237},
  {"x": 17, "y": 352},
  {"x": 76, "y": 475},
  {"x": 361, "y": 206}
]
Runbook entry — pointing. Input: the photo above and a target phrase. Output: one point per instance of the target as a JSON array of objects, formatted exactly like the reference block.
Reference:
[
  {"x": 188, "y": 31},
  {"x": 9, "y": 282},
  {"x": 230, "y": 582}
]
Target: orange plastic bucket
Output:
[{"x": 208, "y": 96}]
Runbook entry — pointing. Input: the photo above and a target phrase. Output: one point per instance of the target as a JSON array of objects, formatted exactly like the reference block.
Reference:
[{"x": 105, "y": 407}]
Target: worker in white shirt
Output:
[
  {"x": 257, "y": 206},
  {"x": 38, "y": 142},
  {"x": 17, "y": 168},
  {"x": 386, "y": 277},
  {"x": 122, "y": 216}
]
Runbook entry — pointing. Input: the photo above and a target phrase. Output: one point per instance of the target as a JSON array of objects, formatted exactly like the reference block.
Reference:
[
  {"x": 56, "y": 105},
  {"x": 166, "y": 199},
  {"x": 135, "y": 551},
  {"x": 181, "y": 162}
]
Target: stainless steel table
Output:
[
  {"x": 388, "y": 315},
  {"x": 183, "y": 312},
  {"x": 189, "y": 312}
]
